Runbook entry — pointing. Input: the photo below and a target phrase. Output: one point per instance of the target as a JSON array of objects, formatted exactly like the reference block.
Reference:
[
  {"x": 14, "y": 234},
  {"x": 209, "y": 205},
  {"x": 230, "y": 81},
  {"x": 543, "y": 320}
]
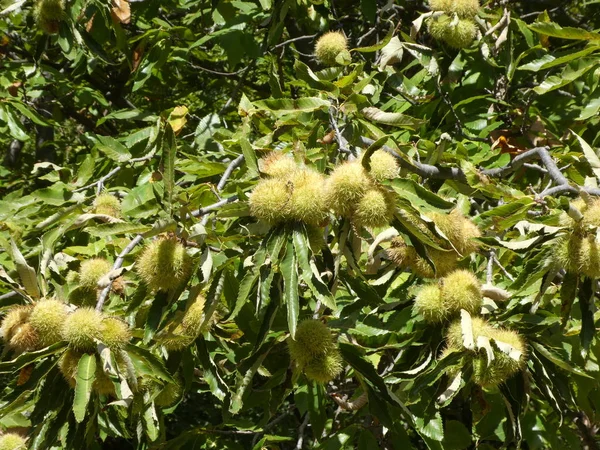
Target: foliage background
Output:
[{"x": 153, "y": 100}]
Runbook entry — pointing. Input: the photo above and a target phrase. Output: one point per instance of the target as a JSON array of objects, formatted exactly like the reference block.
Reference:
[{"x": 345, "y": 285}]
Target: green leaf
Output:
[
  {"x": 304, "y": 73},
  {"x": 169, "y": 148},
  {"x": 27, "y": 358},
  {"x": 147, "y": 364},
  {"x": 456, "y": 436},
  {"x": 243, "y": 384},
  {"x": 31, "y": 114},
  {"x": 112, "y": 229},
  {"x": 284, "y": 106},
  {"x": 590, "y": 154},
  {"x": 389, "y": 118},
  {"x": 26, "y": 272},
  {"x": 112, "y": 148},
  {"x": 555, "y": 30},
  {"x": 289, "y": 270},
  {"x": 380, "y": 44},
  {"x": 568, "y": 292},
  {"x": 246, "y": 287},
  {"x": 86, "y": 374},
  {"x": 418, "y": 196},
  {"x": 567, "y": 76},
  {"x": 316, "y": 285},
  {"x": 553, "y": 357},
  {"x": 587, "y": 307},
  {"x": 316, "y": 408},
  {"x": 548, "y": 61},
  {"x": 210, "y": 371},
  {"x": 249, "y": 156}
]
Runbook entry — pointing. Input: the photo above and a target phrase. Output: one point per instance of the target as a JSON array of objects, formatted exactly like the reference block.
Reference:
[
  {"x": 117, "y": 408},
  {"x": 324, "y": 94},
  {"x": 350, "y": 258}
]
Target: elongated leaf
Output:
[
  {"x": 316, "y": 285},
  {"x": 306, "y": 74},
  {"x": 567, "y": 76},
  {"x": 555, "y": 30},
  {"x": 111, "y": 229},
  {"x": 568, "y": 292},
  {"x": 151, "y": 422},
  {"x": 112, "y": 148},
  {"x": 249, "y": 156},
  {"x": 29, "y": 357},
  {"x": 246, "y": 287},
  {"x": 26, "y": 272},
  {"x": 244, "y": 383},
  {"x": 548, "y": 61},
  {"x": 285, "y": 106},
  {"x": 418, "y": 196},
  {"x": 590, "y": 154},
  {"x": 169, "y": 148},
  {"x": 210, "y": 371},
  {"x": 289, "y": 270},
  {"x": 86, "y": 374},
  {"x": 553, "y": 357},
  {"x": 147, "y": 364},
  {"x": 587, "y": 307},
  {"x": 395, "y": 119}
]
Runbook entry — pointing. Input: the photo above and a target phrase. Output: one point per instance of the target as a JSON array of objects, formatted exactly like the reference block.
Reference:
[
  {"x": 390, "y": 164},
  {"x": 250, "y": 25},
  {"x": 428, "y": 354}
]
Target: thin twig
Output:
[
  {"x": 535, "y": 167},
  {"x": 289, "y": 41},
  {"x": 454, "y": 173},
  {"x": 301, "y": 429},
  {"x": 338, "y": 136},
  {"x": 505, "y": 18},
  {"x": 237, "y": 162},
  {"x": 117, "y": 265},
  {"x": 8, "y": 295},
  {"x": 490, "y": 268},
  {"x": 209, "y": 208},
  {"x": 113, "y": 172},
  {"x": 501, "y": 267},
  {"x": 216, "y": 72},
  {"x": 228, "y": 171},
  {"x": 270, "y": 425}
]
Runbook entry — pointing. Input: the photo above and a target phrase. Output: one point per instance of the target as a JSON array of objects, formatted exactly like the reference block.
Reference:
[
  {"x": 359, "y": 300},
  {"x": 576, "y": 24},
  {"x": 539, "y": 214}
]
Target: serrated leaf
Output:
[
  {"x": 169, "y": 150},
  {"x": 151, "y": 422},
  {"x": 289, "y": 270},
  {"x": 316, "y": 285},
  {"x": 86, "y": 374},
  {"x": 585, "y": 294},
  {"x": 112, "y": 148},
  {"x": 26, "y": 272},
  {"x": 285, "y": 106},
  {"x": 553, "y": 357},
  {"x": 111, "y": 229},
  {"x": 27, "y": 358},
  {"x": 389, "y": 118},
  {"x": 147, "y": 364},
  {"x": 590, "y": 154},
  {"x": 211, "y": 373},
  {"x": 555, "y": 30},
  {"x": 391, "y": 53},
  {"x": 549, "y": 61},
  {"x": 249, "y": 156},
  {"x": 304, "y": 73},
  {"x": 567, "y": 76}
]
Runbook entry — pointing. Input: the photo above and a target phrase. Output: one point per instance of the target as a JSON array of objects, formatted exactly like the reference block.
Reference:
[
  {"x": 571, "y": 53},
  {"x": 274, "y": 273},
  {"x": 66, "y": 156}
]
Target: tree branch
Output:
[
  {"x": 301, "y": 429},
  {"x": 117, "y": 265},
  {"x": 424, "y": 170},
  {"x": 455, "y": 173},
  {"x": 113, "y": 172},
  {"x": 200, "y": 212}
]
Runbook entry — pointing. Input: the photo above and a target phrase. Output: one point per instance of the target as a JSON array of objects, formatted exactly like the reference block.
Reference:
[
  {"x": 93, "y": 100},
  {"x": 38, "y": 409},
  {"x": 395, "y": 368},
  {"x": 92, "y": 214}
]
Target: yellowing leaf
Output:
[
  {"x": 177, "y": 118},
  {"x": 121, "y": 11}
]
